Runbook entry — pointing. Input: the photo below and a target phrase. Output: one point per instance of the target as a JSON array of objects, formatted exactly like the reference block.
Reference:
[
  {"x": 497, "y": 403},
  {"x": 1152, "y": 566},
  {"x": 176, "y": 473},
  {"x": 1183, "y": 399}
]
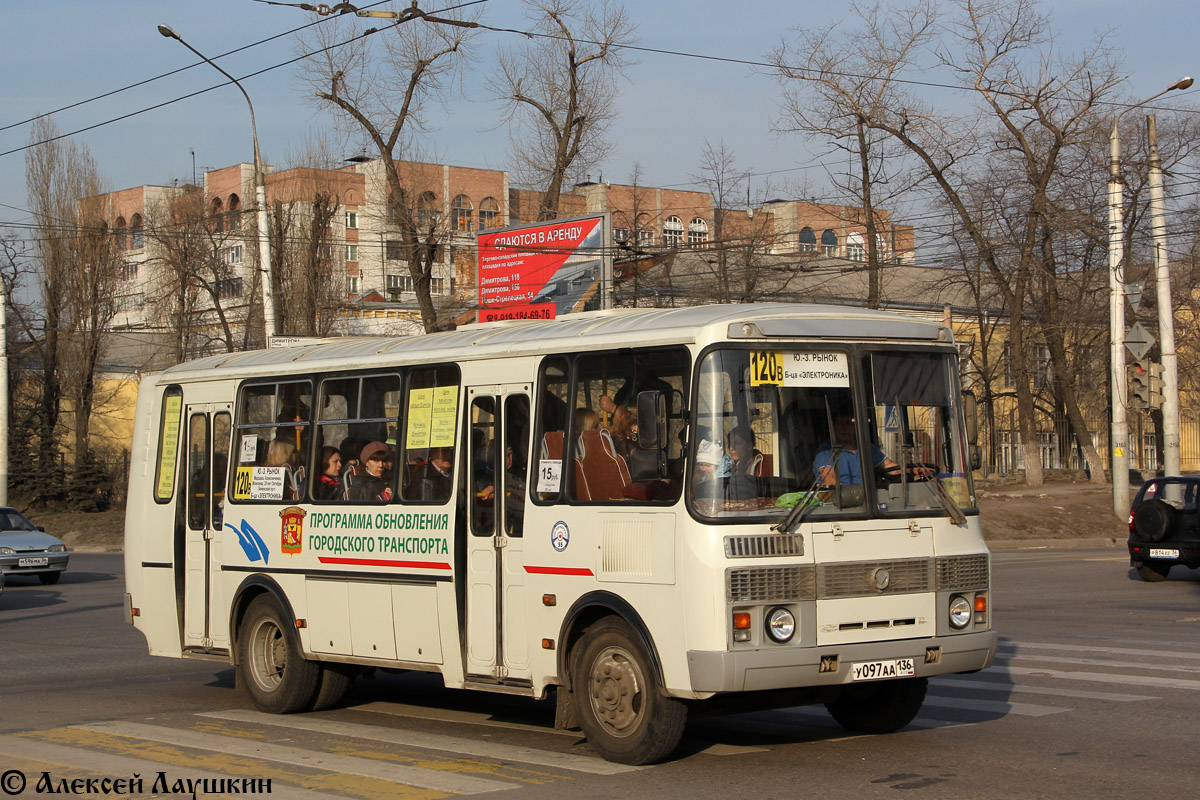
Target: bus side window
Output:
[
  {"x": 428, "y": 434},
  {"x": 271, "y": 447},
  {"x": 355, "y": 413},
  {"x": 550, "y": 437}
]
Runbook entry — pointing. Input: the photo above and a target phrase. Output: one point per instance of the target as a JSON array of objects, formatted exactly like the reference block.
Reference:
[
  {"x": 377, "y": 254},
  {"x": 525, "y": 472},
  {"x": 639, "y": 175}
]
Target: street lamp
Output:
[
  {"x": 1116, "y": 309},
  {"x": 260, "y": 197}
]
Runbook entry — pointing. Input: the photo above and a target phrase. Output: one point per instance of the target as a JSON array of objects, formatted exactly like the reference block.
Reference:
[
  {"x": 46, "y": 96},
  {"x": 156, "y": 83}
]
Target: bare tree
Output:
[
  {"x": 560, "y": 92},
  {"x": 379, "y": 84},
  {"x": 309, "y": 268}
]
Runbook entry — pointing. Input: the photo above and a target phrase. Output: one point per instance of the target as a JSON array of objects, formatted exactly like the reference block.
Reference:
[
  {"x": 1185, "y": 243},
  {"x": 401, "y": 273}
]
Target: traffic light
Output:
[
  {"x": 1139, "y": 385},
  {"x": 1155, "y": 375}
]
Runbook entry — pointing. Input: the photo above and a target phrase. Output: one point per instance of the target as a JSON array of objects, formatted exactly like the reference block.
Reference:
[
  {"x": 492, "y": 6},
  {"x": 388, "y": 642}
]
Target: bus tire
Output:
[
  {"x": 275, "y": 673},
  {"x": 332, "y": 686},
  {"x": 621, "y": 708},
  {"x": 881, "y": 707}
]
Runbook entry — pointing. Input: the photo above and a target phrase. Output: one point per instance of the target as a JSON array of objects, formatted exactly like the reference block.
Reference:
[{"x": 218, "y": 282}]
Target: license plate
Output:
[
  {"x": 875, "y": 670},
  {"x": 32, "y": 562},
  {"x": 1163, "y": 552}
]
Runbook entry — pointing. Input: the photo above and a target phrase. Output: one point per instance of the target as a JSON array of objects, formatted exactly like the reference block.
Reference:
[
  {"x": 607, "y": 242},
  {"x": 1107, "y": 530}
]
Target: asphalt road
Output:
[{"x": 1095, "y": 694}]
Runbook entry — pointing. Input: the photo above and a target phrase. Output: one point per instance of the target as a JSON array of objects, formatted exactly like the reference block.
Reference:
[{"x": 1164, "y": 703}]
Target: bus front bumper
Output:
[{"x": 790, "y": 667}]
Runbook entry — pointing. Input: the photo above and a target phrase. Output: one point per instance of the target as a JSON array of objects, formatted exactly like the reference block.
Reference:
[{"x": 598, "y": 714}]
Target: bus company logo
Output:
[
  {"x": 560, "y": 536},
  {"x": 292, "y": 530},
  {"x": 252, "y": 544}
]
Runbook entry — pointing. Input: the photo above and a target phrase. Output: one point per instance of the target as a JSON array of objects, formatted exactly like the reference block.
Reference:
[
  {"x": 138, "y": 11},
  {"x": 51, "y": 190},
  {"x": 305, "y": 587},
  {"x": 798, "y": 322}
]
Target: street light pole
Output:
[
  {"x": 260, "y": 197},
  {"x": 1116, "y": 310}
]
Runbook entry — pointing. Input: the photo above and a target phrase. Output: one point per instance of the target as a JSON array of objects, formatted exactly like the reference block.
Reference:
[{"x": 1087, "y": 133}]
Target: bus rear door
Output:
[{"x": 208, "y": 434}]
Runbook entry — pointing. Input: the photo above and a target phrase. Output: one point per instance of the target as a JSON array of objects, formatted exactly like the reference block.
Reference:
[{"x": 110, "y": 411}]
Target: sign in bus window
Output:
[
  {"x": 799, "y": 369},
  {"x": 168, "y": 444}
]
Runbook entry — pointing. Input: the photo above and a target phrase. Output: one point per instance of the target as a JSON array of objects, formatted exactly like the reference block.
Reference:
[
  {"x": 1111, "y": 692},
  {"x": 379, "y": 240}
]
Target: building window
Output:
[
  {"x": 829, "y": 243},
  {"x": 808, "y": 240},
  {"x": 697, "y": 232},
  {"x": 399, "y": 283},
  {"x": 234, "y": 213},
  {"x": 130, "y": 272},
  {"x": 136, "y": 235},
  {"x": 856, "y": 247},
  {"x": 427, "y": 211},
  {"x": 462, "y": 214},
  {"x": 218, "y": 215},
  {"x": 645, "y": 237},
  {"x": 489, "y": 214},
  {"x": 351, "y": 284},
  {"x": 393, "y": 250},
  {"x": 1010, "y": 379},
  {"x": 352, "y": 252},
  {"x": 131, "y": 302},
  {"x": 620, "y": 235},
  {"x": 232, "y": 255},
  {"x": 229, "y": 288},
  {"x": 121, "y": 234},
  {"x": 672, "y": 231},
  {"x": 351, "y": 219},
  {"x": 1043, "y": 375}
]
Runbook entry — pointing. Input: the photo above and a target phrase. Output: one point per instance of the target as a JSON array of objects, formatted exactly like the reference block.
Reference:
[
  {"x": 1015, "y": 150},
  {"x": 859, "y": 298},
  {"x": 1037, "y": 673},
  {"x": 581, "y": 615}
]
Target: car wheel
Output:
[
  {"x": 881, "y": 707},
  {"x": 1153, "y": 573},
  {"x": 49, "y": 578},
  {"x": 1154, "y": 520},
  {"x": 275, "y": 673},
  {"x": 332, "y": 686},
  {"x": 621, "y": 708}
]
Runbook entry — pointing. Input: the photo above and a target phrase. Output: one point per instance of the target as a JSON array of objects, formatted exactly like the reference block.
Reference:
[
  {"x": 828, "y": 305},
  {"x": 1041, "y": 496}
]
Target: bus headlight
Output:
[
  {"x": 781, "y": 625},
  {"x": 960, "y": 612}
]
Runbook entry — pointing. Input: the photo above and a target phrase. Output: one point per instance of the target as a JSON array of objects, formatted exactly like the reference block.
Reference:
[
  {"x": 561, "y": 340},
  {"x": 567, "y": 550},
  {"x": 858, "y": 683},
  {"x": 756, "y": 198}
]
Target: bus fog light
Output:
[
  {"x": 960, "y": 612},
  {"x": 781, "y": 625},
  {"x": 741, "y": 636}
]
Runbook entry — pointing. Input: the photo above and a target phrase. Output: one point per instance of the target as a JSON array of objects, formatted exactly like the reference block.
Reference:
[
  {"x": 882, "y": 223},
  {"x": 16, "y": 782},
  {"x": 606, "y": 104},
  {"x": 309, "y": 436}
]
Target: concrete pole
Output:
[
  {"x": 1116, "y": 326},
  {"x": 3, "y": 394},
  {"x": 1166, "y": 311}
]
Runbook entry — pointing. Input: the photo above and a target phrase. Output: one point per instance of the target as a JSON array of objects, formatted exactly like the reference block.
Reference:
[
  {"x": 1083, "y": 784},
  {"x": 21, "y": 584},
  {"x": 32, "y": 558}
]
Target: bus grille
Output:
[
  {"x": 962, "y": 572},
  {"x": 771, "y": 584},
  {"x": 764, "y": 545},
  {"x": 868, "y": 578}
]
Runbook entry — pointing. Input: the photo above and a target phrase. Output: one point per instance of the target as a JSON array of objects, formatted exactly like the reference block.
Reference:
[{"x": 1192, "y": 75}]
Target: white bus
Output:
[{"x": 642, "y": 510}]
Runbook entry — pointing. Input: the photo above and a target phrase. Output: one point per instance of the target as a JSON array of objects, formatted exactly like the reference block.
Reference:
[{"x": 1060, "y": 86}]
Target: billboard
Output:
[{"x": 540, "y": 271}]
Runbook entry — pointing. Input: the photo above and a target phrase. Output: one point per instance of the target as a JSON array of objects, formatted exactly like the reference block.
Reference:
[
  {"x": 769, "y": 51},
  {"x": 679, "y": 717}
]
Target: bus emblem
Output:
[
  {"x": 292, "y": 532},
  {"x": 560, "y": 536}
]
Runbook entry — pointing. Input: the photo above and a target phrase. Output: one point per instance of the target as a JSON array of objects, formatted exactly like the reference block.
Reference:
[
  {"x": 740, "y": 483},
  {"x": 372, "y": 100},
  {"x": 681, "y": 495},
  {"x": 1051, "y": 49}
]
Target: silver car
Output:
[{"x": 26, "y": 549}]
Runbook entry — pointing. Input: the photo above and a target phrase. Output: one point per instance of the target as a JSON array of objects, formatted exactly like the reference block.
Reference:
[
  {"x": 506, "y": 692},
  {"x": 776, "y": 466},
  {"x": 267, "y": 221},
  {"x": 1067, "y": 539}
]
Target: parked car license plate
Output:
[
  {"x": 875, "y": 670},
  {"x": 32, "y": 562},
  {"x": 1163, "y": 552}
]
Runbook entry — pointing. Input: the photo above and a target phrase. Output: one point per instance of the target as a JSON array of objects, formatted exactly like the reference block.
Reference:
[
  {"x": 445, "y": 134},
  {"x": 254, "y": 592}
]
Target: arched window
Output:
[
  {"x": 856, "y": 247},
  {"x": 234, "y": 213},
  {"x": 697, "y": 232},
  {"x": 120, "y": 233},
  {"x": 394, "y": 207},
  {"x": 218, "y": 220},
  {"x": 489, "y": 214},
  {"x": 462, "y": 214},
  {"x": 808, "y": 240},
  {"x": 427, "y": 211},
  {"x": 136, "y": 237},
  {"x": 829, "y": 243},
  {"x": 672, "y": 231}
]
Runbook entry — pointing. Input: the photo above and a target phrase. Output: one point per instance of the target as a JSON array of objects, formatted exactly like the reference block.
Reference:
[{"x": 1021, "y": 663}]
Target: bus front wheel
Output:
[
  {"x": 881, "y": 707},
  {"x": 621, "y": 707},
  {"x": 274, "y": 671}
]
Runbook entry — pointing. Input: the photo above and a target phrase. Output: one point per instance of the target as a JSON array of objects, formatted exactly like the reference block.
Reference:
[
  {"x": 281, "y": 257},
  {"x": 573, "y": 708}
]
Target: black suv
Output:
[{"x": 1164, "y": 527}]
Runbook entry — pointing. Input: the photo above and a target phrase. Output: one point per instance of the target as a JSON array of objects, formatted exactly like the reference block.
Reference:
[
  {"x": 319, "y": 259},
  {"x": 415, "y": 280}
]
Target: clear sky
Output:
[{"x": 57, "y": 53}]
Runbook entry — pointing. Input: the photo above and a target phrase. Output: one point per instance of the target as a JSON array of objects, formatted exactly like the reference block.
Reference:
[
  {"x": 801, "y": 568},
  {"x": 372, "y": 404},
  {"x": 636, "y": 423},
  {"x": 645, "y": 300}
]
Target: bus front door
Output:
[
  {"x": 497, "y": 469},
  {"x": 208, "y": 434}
]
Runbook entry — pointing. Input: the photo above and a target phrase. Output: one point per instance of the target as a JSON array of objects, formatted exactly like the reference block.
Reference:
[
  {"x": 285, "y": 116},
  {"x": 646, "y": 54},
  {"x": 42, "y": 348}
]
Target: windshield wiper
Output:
[{"x": 799, "y": 511}]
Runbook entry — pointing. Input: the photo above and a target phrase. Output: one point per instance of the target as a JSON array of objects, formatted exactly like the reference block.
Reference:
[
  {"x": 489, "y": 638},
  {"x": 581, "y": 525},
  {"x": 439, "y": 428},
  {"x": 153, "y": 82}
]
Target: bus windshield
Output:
[{"x": 835, "y": 431}]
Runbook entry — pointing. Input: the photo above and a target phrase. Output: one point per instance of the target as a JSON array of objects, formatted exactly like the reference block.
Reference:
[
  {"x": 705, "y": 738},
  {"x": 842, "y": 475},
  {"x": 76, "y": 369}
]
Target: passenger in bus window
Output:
[
  {"x": 746, "y": 457},
  {"x": 624, "y": 431},
  {"x": 586, "y": 420},
  {"x": 372, "y": 485},
  {"x": 435, "y": 478},
  {"x": 849, "y": 469},
  {"x": 329, "y": 485}
]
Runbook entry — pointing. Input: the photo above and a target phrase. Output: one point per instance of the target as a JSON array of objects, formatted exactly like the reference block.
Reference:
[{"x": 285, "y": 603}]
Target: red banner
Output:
[{"x": 539, "y": 271}]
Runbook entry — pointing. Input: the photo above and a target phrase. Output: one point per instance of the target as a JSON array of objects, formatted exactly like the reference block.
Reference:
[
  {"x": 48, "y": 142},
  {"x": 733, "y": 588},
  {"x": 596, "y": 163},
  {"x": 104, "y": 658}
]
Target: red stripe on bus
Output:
[
  {"x": 366, "y": 562},
  {"x": 558, "y": 570}
]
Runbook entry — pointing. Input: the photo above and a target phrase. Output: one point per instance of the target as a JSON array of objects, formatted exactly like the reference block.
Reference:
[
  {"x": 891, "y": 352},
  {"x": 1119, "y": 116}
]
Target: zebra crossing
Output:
[{"x": 389, "y": 750}]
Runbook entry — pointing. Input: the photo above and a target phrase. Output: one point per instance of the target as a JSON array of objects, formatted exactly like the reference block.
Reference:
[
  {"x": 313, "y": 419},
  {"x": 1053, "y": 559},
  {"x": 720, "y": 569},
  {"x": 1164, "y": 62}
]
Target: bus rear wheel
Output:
[
  {"x": 881, "y": 707},
  {"x": 621, "y": 706},
  {"x": 274, "y": 671}
]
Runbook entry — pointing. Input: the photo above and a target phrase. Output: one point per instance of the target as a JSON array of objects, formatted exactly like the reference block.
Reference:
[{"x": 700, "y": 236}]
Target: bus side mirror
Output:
[
  {"x": 652, "y": 420},
  {"x": 971, "y": 417},
  {"x": 976, "y": 456}
]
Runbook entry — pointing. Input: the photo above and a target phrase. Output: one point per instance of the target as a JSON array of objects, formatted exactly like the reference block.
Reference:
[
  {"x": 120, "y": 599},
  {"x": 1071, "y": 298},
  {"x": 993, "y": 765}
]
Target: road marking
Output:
[
  {"x": 1100, "y": 677},
  {"x": 451, "y": 744},
  {"x": 996, "y": 686},
  {"x": 920, "y": 723},
  {"x": 125, "y": 767},
  {"x": 1118, "y": 651},
  {"x": 313, "y": 759},
  {"x": 452, "y": 715},
  {"x": 1100, "y": 662},
  {"x": 993, "y": 706}
]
